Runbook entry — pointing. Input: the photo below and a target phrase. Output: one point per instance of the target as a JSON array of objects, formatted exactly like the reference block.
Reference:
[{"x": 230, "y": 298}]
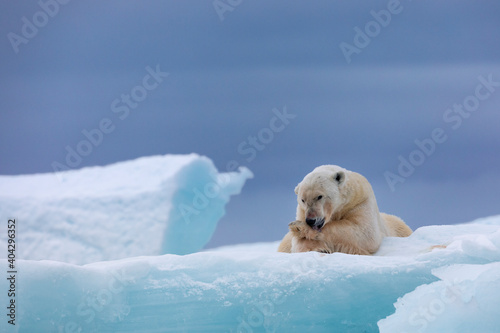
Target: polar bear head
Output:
[{"x": 322, "y": 193}]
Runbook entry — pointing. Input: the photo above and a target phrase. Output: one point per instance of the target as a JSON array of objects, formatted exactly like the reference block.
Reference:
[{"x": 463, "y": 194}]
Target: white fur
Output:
[{"x": 345, "y": 201}]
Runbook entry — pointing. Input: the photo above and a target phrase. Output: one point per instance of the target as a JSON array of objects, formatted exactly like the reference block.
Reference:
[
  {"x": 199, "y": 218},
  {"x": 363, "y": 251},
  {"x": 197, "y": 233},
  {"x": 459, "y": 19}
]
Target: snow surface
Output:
[
  {"x": 440, "y": 279},
  {"x": 148, "y": 206}
]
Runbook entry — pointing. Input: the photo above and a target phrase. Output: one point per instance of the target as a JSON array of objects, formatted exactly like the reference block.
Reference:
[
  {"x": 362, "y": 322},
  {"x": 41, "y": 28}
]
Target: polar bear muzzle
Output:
[{"x": 316, "y": 223}]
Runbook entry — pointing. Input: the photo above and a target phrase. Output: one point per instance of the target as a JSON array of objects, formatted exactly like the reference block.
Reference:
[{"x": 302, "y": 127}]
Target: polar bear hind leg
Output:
[{"x": 395, "y": 226}]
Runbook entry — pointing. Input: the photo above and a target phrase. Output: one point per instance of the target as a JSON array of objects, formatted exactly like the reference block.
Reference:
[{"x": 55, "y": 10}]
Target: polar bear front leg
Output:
[
  {"x": 349, "y": 237},
  {"x": 307, "y": 245}
]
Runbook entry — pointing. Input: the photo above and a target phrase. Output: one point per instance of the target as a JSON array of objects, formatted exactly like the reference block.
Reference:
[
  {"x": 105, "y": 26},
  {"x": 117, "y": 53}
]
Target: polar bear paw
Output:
[{"x": 301, "y": 230}]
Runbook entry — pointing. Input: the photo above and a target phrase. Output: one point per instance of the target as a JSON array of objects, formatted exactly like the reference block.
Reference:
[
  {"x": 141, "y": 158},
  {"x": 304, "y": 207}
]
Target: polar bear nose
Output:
[
  {"x": 311, "y": 222},
  {"x": 316, "y": 223}
]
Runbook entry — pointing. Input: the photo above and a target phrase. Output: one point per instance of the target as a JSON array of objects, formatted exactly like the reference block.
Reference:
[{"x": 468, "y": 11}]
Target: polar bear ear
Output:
[
  {"x": 339, "y": 177},
  {"x": 297, "y": 189}
]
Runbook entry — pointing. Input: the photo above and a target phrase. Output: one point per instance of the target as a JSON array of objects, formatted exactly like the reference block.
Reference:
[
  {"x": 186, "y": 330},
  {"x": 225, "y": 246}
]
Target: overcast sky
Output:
[{"x": 359, "y": 80}]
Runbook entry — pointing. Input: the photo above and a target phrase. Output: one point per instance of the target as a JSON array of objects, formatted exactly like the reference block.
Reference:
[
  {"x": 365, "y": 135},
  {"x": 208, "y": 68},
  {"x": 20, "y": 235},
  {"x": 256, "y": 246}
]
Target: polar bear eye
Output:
[
  {"x": 319, "y": 198},
  {"x": 303, "y": 201}
]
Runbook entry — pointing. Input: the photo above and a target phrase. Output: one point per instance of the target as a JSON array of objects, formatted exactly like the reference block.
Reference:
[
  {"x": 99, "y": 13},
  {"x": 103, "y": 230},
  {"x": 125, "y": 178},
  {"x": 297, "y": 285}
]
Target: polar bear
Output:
[{"x": 337, "y": 212}]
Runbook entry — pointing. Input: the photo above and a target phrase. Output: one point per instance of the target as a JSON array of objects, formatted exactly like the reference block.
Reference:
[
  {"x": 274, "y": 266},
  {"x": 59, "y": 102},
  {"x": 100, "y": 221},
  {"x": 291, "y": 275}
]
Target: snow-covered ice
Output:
[
  {"x": 440, "y": 279},
  {"x": 465, "y": 299},
  {"x": 148, "y": 206}
]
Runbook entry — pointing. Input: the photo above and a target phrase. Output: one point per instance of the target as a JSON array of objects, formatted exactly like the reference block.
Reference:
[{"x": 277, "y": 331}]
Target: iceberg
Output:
[
  {"x": 148, "y": 206},
  {"x": 440, "y": 279},
  {"x": 465, "y": 299}
]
